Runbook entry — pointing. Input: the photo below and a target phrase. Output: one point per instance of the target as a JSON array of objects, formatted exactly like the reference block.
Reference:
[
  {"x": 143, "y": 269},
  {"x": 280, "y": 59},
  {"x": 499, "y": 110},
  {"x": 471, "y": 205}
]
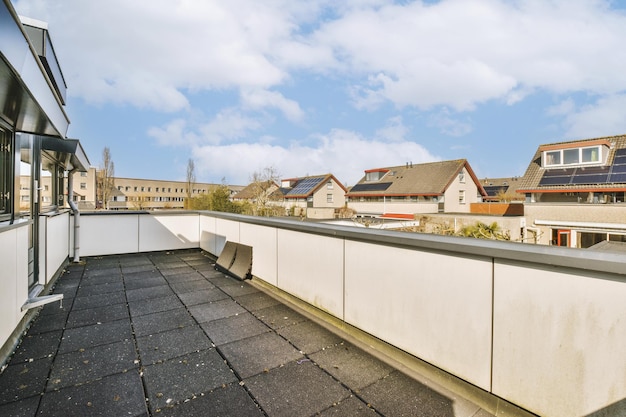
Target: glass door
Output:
[
  {"x": 29, "y": 207},
  {"x": 563, "y": 237}
]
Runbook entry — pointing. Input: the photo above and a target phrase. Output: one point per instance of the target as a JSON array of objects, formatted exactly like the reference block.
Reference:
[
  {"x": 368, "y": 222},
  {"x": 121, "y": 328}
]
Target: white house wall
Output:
[
  {"x": 451, "y": 195},
  {"x": 393, "y": 207}
]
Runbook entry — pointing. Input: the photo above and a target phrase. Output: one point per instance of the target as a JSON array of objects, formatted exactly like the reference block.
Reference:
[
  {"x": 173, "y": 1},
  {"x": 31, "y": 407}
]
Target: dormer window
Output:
[
  {"x": 588, "y": 155},
  {"x": 374, "y": 175}
]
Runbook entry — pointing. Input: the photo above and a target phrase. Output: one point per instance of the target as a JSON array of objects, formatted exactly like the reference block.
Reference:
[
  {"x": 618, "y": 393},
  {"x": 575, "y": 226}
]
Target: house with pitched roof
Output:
[
  {"x": 318, "y": 196},
  {"x": 406, "y": 190},
  {"x": 575, "y": 192}
]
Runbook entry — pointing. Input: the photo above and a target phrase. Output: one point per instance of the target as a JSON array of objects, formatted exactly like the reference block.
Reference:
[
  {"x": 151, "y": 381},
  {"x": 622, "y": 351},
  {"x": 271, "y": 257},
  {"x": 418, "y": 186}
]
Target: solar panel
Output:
[
  {"x": 558, "y": 172},
  {"x": 305, "y": 186},
  {"x": 618, "y": 169},
  {"x": 562, "y": 180},
  {"x": 590, "y": 179},
  {"x": 619, "y": 177},
  {"x": 379, "y": 186}
]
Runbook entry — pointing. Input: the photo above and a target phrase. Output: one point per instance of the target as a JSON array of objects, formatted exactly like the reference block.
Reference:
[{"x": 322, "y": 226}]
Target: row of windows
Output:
[
  {"x": 572, "y": 156},
  {"x": 155, "y": 199},
  {"x": 158, "y": 189}
]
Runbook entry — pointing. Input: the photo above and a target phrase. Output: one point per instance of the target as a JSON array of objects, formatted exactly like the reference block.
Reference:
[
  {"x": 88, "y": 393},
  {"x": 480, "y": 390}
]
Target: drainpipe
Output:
[{"x": 70, "y": 200}]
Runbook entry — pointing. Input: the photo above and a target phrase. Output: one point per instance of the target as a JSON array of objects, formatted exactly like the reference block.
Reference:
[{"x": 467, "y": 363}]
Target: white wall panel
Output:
[
  {"x": 57, "y": 238},
  {"x": 264, "y": 253},
  {"x": 109, "y": 234},
  {"x": 435, "y": 306},
  {"x": 168, "y": 232},
  {"x": 207, "y": 234},
  {"x": 8, "y": 283},
  {"x": 311, "y": 268},
  {"x": 559, "y": 340},
  {"x": 225, "y": 230}
]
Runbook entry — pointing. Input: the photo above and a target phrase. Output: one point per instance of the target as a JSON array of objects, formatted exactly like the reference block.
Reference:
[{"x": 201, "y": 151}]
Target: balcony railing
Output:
[{"x": 541, "y": 327}]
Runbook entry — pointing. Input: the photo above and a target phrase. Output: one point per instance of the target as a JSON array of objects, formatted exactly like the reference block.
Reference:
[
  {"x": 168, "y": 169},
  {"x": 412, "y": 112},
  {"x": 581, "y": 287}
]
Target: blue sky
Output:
[{"x": 318, "y": 86}]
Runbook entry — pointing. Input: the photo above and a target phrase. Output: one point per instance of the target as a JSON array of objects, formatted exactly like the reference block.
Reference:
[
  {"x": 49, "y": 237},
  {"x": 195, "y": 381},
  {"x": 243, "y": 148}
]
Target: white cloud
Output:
[
  {"x": 460, "y": 53},
  {"x": 343, "y": 153},
  {"x": 456, "y": 53},
  {"x": 449, "y": 125},
  {"x": 229, "y": 125},
  {"x": 260, "y": 99},
  {"x": 606, "y": 117},
  {"x": 562, "y": 108},
  {"x": 394, "y": 131}
]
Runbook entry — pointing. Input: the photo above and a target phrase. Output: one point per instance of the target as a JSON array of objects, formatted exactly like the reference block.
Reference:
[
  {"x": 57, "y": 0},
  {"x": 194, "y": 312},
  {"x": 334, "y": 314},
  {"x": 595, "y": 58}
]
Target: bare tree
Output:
[
  {"x": 264, "y": 183},
  {"x": 105, "y": 179},
  {"x": 191, "y": 180}
]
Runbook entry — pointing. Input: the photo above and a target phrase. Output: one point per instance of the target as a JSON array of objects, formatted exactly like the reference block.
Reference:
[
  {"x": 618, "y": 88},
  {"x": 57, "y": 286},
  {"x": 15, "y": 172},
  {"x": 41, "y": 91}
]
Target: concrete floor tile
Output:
[
  {"x": 141, "y": 275},
  {"x": 351, "y": 365},
  {"x": 97, "y": 315},
  {"x": 220, "y": 280},
  {"x": 100, "y": 300},
  {"x": 146, "y": 266},
  {"x": 149, "y": 293},
  {"x": 150, "y": 281},
  {"x": 184, "y": 277},
  {"x": 399, "y": 395},
  {"x": 202, "y": 296},
  {"x": 37, "y": 346},
  {"x": 63, "y": 306},
  {"x": 191, "y": 286},
  {"x": 256, "y": 301},
  {"x": 278, "y": 316},
  {"x": 215, "y": 310},
  {"x": 231, "y": 400},
  {"x": 259, "y": 354},
  {"x": 162, "y": 321},
  {"x": 98, "y": 334},
  {"x": 184, "y": 377},
  {"x": 91, "y": 272},
  {"x": 86, "y": 365},
  {"x": 23, "y": 408},
  {"x": 170, "y": 344},
  {"x": 115, "y": 395},
  {"x": 349, "y": 407},
  {"x": 87, "y": 289},
  {"x": 154, "y": 305},
  {"x": 239, "y": 288},
  {"x": 24, "y": 380},
  {"x": 309, "y": 337},
  {"x": 231, "y": 329},
  {"x": 48, "y": 322},
  {"x": 296, "y": 390}
]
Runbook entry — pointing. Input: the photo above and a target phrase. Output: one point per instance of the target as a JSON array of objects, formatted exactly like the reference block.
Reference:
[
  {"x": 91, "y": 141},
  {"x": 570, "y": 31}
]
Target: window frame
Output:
[{"x": 555, "y": 158}]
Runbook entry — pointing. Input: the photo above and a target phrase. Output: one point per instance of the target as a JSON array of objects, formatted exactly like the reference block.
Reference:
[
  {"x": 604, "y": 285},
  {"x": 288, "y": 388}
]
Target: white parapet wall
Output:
[{"x": 541, "y": 327}]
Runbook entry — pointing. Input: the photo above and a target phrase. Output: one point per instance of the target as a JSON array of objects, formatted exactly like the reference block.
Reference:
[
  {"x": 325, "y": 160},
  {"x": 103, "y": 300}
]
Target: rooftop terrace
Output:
[{"x": 165, "y": 334}]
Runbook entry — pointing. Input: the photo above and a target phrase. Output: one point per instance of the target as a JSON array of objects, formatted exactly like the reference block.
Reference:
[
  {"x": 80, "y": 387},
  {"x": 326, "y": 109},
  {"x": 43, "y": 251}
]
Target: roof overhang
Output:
[
  {"x": 69, "y": 150},
  {"x": 569, "y": 145},
  {"x": 28, "y": 100}
]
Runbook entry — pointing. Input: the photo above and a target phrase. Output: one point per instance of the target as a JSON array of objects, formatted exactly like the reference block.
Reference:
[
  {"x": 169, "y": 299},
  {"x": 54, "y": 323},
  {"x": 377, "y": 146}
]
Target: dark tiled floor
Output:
[{"x": 164, "y": 334}]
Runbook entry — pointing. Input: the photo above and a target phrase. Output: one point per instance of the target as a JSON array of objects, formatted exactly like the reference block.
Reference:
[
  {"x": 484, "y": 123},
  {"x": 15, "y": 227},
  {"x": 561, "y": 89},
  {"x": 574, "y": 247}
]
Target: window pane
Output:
[
  {"x": 6, "y": 173},
  {"x": 591, "y": 154},
  {"x": 553, "y": 158},
  {"x": 570, "y": 156}
]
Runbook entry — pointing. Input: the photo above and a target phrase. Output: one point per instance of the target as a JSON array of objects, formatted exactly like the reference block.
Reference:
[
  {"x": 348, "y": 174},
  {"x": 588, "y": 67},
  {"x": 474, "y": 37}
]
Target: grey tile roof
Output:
[
  {"x": 420, "y": 179},
  {"x": 531, "y": 179}
]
